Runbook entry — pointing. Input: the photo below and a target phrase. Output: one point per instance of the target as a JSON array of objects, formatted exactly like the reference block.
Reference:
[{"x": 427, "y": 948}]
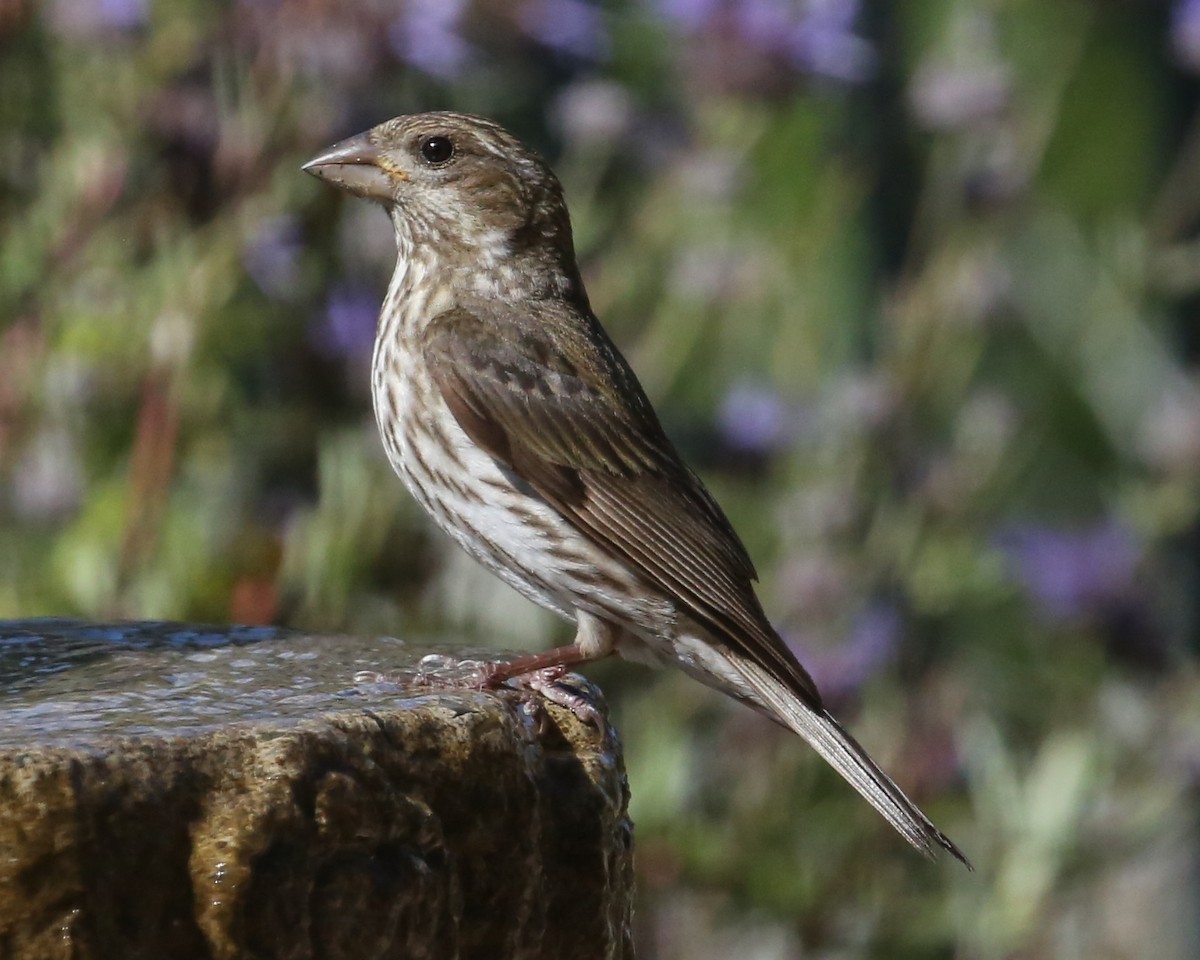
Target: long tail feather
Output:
[{"x": 848, "y": 758}]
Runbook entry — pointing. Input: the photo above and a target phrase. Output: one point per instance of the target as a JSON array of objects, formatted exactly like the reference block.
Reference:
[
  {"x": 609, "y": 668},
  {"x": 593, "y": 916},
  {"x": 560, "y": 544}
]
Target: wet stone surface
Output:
[
  {"x": 60, "y": 679},
  {"x": 170, "y": 790}
]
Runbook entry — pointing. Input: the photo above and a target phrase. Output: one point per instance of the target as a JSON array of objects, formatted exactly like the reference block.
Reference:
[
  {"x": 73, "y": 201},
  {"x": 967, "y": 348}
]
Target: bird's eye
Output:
[{"x": 437, "y": 150}]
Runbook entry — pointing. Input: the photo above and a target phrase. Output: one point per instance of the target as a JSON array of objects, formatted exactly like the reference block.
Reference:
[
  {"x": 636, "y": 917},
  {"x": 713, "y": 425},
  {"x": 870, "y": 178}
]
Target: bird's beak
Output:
[{"x": 358, "y": 166}]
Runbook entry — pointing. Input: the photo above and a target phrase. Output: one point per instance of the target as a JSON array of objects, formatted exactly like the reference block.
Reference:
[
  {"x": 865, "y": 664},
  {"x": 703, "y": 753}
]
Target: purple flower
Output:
[
  {"x": 871, "y": 644},
  {"x": 123, "y": 14},
  {"x": 764, "y": 22},
  {"x": 815, "y": 36},
  {"x": 690, "y": 14},
  {"x": 426, "y": 36},
  {"x": 753, "y": 419},
  {"x": 569, "y": 26},
  {"x": 86, "y": 17},
  {"x": 1072, "y": 573},
  {"x": 346, "y": 328},
  {"x": 272, "y": 256},
  {"x": 823, "y": 43},
  {"x": 1185, "y": 33}
]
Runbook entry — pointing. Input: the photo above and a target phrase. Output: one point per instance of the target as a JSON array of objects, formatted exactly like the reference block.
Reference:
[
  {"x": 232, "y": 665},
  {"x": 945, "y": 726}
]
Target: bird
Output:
[{"x": 516, "y": 423}]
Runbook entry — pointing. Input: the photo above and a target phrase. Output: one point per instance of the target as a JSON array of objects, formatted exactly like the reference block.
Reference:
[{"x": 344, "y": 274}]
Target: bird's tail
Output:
[{"x": 848, "y": 758}]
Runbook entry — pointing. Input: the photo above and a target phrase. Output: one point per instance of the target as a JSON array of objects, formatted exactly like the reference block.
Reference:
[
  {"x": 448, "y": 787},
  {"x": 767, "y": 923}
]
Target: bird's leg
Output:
[
  {"x": 554, "y": 661},
  {"x": 543, "y": 672},
  {"x": 595, "y": 639}
]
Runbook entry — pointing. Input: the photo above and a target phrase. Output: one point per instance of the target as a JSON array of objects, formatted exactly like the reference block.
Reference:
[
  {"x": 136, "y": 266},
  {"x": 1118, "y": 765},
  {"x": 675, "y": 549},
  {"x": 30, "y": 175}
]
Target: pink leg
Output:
[{"x": 496, "y": 672}]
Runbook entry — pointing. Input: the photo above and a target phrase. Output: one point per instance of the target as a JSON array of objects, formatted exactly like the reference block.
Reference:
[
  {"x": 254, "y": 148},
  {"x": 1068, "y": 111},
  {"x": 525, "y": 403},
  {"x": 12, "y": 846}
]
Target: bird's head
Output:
[{"x": 460, "y": 182}]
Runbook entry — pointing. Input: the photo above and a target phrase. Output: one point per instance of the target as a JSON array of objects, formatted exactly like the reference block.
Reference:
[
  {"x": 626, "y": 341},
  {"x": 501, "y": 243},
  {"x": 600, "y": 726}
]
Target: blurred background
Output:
[{"x": 915, "y": 287}]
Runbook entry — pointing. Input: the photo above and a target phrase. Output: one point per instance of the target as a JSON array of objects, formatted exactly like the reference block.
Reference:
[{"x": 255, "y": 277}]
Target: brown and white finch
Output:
[{"x": 515, "y": 422}]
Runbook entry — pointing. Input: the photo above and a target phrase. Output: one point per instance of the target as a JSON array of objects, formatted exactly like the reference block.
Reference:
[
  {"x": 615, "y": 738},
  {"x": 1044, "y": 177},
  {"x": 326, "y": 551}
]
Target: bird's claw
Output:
[{"x": 548, "y": 682}]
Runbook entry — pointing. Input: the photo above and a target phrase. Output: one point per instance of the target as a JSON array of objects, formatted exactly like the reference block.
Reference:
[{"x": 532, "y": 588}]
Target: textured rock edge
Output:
[{"x": 452, "y": 826}]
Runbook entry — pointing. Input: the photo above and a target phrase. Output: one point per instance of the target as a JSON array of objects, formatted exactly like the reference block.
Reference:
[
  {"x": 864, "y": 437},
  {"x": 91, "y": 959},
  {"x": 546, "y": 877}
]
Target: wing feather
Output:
[{"x": 583, "y": 435}]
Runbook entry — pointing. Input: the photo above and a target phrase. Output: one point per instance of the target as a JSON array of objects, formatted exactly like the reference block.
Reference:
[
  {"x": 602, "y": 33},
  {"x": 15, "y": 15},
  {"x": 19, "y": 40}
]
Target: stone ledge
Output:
[{"x": 348, "y": 823}]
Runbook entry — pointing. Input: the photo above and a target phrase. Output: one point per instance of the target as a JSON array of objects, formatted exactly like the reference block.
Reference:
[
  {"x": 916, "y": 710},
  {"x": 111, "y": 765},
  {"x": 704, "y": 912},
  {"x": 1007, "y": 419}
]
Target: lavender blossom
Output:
[
  {"x": 690, "y": 14},
  {"x": 572, "y": 27},
  {"x": 1185, "y": 33},
  {"x": 824, "y": 44},
  {"x": 753, "y": 419},
  {"x": 272, "y": 256},
  {"x": 1070, "y": 574},
  {"x": 123, "y": 14},
  {"x": 871, "y": 645},
  {"x": 816, "y": 36},
  {"x": 427, "y": 37},
  {"x": 764, "y": 22},
  {"x": 90, "y": 17},
  {"x": 346, "y": 328}
]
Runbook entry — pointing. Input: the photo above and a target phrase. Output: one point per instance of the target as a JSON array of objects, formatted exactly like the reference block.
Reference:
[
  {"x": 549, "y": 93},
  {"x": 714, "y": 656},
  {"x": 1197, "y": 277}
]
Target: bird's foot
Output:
[{"x": 549, "y": 684}]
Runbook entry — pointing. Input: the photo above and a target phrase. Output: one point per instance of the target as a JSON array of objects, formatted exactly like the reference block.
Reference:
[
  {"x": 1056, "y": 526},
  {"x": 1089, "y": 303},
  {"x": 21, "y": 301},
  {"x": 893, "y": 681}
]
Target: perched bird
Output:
[{"x": 515, "y": 422}]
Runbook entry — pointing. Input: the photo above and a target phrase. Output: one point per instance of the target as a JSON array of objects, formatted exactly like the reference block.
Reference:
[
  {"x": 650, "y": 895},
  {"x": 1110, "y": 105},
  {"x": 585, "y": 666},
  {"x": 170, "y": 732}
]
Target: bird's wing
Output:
[{"x": 542, "y": 389}]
